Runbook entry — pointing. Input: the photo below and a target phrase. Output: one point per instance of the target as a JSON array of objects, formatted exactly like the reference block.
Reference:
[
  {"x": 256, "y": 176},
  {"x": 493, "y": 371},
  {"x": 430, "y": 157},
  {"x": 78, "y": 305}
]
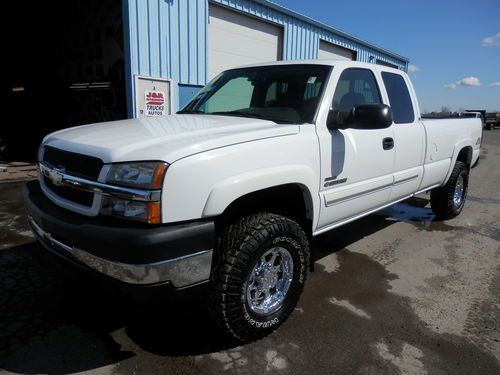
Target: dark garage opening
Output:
[{"x": 64, "y": 67}]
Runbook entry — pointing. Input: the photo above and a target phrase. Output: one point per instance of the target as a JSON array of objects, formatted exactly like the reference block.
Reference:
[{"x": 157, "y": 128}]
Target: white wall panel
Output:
[
  {"x": 235, "y": 39},
  {"x": 328, "y": 51}
]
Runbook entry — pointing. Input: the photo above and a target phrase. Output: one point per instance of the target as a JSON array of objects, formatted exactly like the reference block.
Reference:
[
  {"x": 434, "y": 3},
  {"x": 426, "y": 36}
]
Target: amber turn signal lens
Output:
[
  {"x": 154, "y": 213},
  {"x": 159, "y": 173}
]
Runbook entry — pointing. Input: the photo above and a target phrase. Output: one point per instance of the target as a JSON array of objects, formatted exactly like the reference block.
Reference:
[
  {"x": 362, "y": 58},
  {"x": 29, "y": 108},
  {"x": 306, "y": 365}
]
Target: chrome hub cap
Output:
[
  {"x": 269, "y": 281},
  {"x": 458, "y": 195}
]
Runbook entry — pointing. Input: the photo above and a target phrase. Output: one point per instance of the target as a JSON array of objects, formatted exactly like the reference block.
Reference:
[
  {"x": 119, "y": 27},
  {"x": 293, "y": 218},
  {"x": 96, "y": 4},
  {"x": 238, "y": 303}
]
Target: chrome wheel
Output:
[
  {"x": 269, "y": 281},
  {"x": 458, "y": 195}
]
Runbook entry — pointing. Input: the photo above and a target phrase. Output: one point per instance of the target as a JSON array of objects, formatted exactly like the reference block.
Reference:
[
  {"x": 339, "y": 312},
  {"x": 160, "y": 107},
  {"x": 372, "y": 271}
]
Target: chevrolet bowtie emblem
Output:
[{"x": 55, "y": 176}]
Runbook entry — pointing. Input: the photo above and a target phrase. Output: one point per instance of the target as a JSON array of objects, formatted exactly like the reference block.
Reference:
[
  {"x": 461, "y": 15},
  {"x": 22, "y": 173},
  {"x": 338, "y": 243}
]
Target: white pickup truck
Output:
[{"x": 229, "y": 191}]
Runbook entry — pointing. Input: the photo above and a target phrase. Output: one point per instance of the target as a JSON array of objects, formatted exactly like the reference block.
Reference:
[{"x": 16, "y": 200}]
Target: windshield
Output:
[{"x": 280, "y": 93}]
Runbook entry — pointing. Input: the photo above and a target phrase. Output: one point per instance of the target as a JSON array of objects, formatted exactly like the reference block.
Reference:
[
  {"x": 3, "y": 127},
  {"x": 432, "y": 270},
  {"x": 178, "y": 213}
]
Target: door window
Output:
[{"x": 355, "y": 86}]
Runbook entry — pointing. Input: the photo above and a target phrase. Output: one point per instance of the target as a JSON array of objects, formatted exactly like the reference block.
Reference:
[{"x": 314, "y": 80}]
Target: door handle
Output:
[{"x": 388, "y": 143}]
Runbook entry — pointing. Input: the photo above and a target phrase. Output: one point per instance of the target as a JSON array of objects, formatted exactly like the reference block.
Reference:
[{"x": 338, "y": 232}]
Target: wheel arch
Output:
[
  {"x": 462, "y": 152},
  {"x": 280, "y": 190},
  {"x": 292, "y": 200},
  {"x": 465, "y": 155}
]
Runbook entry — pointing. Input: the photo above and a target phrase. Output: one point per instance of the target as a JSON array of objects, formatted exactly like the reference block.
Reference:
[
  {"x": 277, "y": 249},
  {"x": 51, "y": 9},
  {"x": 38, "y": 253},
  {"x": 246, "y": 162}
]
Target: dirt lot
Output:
[{"x": 394, "y": 293}]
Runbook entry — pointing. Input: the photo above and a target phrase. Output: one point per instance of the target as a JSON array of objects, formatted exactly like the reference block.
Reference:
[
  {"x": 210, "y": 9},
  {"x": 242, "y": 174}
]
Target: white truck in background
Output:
[
  {"x": 475, "y": 114},
  {"x": 228, "y": 192}
]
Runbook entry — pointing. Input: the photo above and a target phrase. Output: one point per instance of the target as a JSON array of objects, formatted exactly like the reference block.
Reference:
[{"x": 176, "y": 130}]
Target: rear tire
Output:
[
  {"x": 448, "y": 201},
  {"x": 259, "y": 273}
]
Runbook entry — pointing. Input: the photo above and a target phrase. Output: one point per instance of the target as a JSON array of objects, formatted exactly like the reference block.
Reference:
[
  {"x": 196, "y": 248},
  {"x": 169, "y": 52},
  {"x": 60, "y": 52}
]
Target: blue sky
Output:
[{"x": 455, "y": 45}]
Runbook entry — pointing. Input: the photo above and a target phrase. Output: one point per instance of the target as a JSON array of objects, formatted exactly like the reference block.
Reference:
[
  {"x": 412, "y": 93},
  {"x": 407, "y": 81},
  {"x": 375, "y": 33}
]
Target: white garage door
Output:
[
  {"x": 235, "y": 39},
  {"x": 329, "y": 51}
]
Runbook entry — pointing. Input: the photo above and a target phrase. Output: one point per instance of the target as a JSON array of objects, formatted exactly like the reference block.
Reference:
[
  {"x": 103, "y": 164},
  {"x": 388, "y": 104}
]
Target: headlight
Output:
[
  {"x": 142, "y": 175},
  {"x": 148, "y": 212}
]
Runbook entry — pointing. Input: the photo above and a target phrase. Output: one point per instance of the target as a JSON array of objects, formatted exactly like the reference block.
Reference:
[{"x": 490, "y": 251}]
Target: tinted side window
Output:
[
  {"x": 355, "y": 86},
  {"x": 399, "y": 97}
]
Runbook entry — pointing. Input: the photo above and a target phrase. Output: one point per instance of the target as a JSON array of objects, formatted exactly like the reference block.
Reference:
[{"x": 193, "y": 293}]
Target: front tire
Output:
[
  {"x": 448, "y": 201},
  {"x": 259, "y": 274}
]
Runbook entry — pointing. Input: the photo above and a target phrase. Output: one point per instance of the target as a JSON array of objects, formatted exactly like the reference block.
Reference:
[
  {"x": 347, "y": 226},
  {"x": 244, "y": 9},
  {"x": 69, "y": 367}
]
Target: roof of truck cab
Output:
[{"x": 340, "y": 63}]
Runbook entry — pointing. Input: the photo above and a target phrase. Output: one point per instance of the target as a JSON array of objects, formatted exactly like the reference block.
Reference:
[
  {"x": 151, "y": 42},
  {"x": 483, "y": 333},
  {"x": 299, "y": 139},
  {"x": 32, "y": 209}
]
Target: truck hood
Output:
[{"x": 167, "y": 138}]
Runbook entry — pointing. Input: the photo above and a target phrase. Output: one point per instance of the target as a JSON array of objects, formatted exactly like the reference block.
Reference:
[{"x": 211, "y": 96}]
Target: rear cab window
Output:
[{"x": 399, "y": 98}]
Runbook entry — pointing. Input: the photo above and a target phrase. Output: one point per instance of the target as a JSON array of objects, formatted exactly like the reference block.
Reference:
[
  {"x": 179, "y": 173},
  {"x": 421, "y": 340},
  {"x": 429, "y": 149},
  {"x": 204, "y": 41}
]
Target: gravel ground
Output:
[{"x": 393, "y": 293}]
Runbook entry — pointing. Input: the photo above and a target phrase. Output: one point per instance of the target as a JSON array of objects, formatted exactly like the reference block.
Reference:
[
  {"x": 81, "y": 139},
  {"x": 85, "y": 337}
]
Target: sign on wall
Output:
[
  {"x": 154, "y": 102},
  {"x": 152, "y": 96}
]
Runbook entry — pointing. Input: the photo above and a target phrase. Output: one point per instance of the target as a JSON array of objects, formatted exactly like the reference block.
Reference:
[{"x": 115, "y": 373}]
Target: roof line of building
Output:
[{"x": 326, "y": 27}]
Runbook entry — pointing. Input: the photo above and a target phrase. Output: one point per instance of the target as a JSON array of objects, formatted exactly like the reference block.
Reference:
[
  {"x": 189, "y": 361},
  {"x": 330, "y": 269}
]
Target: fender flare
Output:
[
  {"x": 465, "y": 143},
  {"x": 228, "y": 190}
]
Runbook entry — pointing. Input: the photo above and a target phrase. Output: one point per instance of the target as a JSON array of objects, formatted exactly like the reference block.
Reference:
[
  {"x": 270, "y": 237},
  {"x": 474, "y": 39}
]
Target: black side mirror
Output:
[
  {"x": 365, "y": 116},
  {"x": 339, "y": 119}
]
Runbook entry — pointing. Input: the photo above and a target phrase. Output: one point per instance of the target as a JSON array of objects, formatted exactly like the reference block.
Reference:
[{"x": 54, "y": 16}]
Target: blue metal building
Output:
[{"x": 171, "y": 39}]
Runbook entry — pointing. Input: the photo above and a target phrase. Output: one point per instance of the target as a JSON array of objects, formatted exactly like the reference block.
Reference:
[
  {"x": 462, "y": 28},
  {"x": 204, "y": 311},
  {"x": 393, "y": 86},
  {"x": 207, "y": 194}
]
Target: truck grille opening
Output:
[
  {"x": 74, "y": 195},
  {"x": 74, "y": 164}
]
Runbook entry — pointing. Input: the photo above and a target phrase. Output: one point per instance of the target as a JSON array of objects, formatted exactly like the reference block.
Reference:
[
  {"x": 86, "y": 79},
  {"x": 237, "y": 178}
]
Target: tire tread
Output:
[
  {"x": 442, "y": 198},
  {"x": 235, "y": 248}
]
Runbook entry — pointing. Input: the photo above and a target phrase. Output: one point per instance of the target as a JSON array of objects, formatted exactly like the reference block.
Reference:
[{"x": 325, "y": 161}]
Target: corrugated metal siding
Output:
[{"x": 168, "y": 38}]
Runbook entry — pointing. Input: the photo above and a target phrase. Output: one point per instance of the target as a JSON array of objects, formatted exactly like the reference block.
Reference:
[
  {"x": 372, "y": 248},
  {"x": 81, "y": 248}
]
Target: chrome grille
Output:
[
  {"x": 73, "y": 195},
  {"x": 74, "y": 164},
  {"x": 78, "y": 165}
]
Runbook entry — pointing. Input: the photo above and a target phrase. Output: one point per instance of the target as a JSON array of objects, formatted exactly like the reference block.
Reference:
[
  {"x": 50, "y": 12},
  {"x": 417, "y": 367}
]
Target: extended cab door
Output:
[
  {"x": 356, "y": 164},
  {"x": 409, "y": 135}
]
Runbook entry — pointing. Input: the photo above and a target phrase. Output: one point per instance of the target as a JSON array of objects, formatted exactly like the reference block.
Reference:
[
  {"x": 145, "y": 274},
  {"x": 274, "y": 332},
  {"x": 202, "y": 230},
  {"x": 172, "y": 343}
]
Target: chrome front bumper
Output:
[{"x": 181, "y": 272}]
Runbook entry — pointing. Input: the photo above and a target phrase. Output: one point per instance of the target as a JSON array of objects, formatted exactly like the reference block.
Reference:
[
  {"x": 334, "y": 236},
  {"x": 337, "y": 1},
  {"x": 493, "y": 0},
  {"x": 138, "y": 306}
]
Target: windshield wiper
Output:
[
  {"x": 190, "y": 112},
  {"x": 238, "y": 113}
]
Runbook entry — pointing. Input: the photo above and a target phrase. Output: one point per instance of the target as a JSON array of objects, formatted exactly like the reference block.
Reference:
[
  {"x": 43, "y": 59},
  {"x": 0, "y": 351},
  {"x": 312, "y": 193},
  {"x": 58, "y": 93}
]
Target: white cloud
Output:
[
  {"x": 413, "y": 68},
  {"x": 468, "y": 81},
  {"x": 491, "y": 41},
  {"x": 494, "y": 84}
]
